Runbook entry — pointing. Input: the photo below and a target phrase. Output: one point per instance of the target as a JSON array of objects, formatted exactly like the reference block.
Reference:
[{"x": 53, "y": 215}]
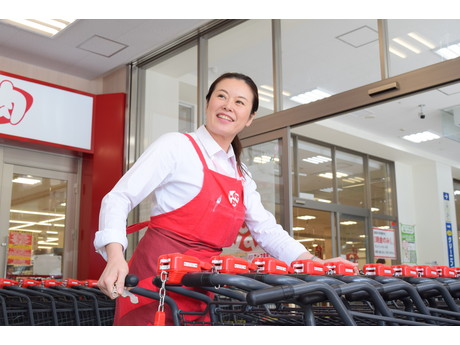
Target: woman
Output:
[{"x": 201, "y": 195}]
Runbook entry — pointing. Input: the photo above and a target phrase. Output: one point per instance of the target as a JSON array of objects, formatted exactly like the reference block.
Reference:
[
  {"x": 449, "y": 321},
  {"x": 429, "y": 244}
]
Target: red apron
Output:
[{"x": 200, "y": 228}]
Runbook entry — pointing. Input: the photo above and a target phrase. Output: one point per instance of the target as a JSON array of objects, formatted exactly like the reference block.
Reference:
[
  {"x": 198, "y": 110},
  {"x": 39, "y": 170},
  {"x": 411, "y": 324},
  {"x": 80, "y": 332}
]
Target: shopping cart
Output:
[
  {"x": 54, "y": 303},
  {"x": 267, "y": 293}
]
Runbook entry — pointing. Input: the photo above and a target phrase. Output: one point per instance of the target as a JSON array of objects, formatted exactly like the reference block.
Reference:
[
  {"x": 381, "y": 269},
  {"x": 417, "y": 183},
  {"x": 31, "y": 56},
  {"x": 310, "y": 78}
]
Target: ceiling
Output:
[{"x": 91, "y": 48}]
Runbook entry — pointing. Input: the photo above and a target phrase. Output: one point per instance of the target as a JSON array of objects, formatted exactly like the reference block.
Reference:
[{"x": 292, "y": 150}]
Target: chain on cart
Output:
[
  {"x": 266, "y": 291},
  {"x": 48, "y": 302}
]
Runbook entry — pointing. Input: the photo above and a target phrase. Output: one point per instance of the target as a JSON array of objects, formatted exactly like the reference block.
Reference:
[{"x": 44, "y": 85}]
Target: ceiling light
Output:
[
  {"x": 421, "y": 39},
  {"x": 397, "y": 52},
  {"x": 421, "y": 137},
  {"x": 323, "y": 200},
  {"x": 47, "y": 27},
  {"x": 348, "y": 222},
  {"x": 26, "y": 180},
  {"x": 407, "y": 45},
  {"x": 457, "y": 192},
  {"x": 306, "y": 217},
  {"x": 450, "y": 52},
  {"x": 265, "y": 93},
  {"x": 329, "y": 175},
  {"x": 298, "y": 228},
  {"x": 317, "y": 159},
  {"x": 310, "y": 96},
  {"x": 306, "y": 240}
]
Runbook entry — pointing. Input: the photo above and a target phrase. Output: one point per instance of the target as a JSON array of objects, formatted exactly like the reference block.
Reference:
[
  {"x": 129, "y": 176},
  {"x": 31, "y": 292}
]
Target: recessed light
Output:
[
  {"x": 46, "y": 27},
  {"x": 421, "y": 137}
]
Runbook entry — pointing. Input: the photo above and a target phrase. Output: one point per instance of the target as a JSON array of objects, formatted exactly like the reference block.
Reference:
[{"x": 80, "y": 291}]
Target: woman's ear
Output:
[{"x": 251, "y": 118}]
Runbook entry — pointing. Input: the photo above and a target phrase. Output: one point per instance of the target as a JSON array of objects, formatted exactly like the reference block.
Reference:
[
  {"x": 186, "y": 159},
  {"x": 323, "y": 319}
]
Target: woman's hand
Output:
[
  {"x": 112, "y": 279},
  {"x": 309, "y": 256}
]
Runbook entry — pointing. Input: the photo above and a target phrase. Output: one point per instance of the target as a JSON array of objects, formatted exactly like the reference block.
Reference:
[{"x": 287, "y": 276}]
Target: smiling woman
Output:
[{"x": 200, "y": 180}]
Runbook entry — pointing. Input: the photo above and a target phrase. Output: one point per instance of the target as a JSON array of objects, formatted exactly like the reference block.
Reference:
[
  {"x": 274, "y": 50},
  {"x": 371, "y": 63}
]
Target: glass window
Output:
[
  {"x": 314, "y": 172},
  {"x": 170, "y": 96},
  {"x": 37, "y": 226},
  {"x": 247, "y": 49},
  {"x": 381, "y": 188},
  {"x": 353, "y": 238},
  {"x": 326, "y": 57},
  {"x": 350, "y": 179},
  {"x": 313, "y": 229},
  {"x": 262, "y": 160},
  {"x": 416, "y": 43}
]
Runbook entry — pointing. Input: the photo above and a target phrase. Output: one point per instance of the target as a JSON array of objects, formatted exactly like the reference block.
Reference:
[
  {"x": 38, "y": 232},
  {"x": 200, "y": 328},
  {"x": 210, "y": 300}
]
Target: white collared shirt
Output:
[{"x": 171, "y": 173}]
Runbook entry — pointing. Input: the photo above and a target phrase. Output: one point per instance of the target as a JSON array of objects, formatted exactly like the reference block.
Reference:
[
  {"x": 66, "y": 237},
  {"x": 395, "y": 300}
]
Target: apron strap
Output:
[{"x": 136, "y": 227}]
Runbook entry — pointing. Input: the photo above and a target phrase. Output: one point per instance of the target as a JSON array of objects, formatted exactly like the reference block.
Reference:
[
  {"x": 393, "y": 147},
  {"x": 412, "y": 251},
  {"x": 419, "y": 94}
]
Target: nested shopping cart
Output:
[
  {"x": 54, "y": 303},
  {"x": 267, "y": 292}
]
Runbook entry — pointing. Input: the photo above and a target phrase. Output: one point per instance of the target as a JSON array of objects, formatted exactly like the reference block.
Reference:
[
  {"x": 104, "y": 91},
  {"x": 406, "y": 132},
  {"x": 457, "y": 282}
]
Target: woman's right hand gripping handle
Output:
[{"x": 112, "y": 279}]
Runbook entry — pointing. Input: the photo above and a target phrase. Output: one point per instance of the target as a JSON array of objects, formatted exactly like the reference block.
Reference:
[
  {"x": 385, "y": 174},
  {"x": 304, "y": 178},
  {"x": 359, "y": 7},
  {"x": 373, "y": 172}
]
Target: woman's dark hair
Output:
[{"x": 236, "y": 143}]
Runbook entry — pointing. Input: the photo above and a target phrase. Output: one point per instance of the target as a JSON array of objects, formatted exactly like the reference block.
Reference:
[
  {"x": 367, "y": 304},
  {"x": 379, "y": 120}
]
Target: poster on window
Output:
[
  {"x": 19, "y": 249},
  {"x": 384, "y": 243}
]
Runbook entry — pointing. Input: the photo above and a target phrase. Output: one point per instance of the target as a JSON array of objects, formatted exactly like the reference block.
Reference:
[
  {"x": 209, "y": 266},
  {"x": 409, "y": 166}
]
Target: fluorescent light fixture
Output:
[
  {"x": 317, "y": 159},
  {"x": 306, "y": 217},
  {"x": 397, "y": 52},
  {"x": 450, "y": 52},
  {"x": 329, "y": 175},
  {"x": 26, "y": 180},
  {"x": 46, "y": 27},
  {"x": 262, "y": 159},
  {"x": 47, "y": 243},
  {"x": 374, "y": 209},
  {"x": 421, "y": 137},
  {"x": 298, "y": 228},
  {"x": 323, "y": 200},
  {"x": 270, "y": 88},
  {"x": 457, "y": 192},
  {"x": 310, "y": 96},
  {"x": 421, "y": 39},
  {"x": 407, "y": 45},
  {"x": 348, "y": 222},
  {"x": 265, "y": 93},
  {"x": 306, "y": 240}
]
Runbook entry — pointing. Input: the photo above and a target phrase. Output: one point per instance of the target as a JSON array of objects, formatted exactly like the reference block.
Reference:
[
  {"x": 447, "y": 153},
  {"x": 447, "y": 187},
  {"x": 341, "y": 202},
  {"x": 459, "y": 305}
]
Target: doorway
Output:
[{"x": 38, "y": 216}]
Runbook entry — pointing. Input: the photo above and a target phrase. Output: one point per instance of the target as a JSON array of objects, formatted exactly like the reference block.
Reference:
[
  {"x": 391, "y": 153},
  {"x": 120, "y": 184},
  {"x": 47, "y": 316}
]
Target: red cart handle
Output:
[
  {"x": 229, "y": 264},
  {"x": 308, "y": 267},
  {"x": 176, "y": 265},
  {"x": 272, "y": 266}
]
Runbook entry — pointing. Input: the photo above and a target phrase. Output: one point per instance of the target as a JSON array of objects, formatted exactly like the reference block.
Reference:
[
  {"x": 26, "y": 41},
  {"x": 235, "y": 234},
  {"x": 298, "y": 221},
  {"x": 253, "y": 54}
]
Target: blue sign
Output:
[
  {"x": 450, "y": 245},
  {"x": 446, "y": 196}
]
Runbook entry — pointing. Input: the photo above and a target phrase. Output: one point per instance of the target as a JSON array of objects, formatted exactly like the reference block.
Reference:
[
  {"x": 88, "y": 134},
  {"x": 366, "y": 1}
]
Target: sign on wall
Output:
[
  {"x": 449, "y": 237},
  {"x": 384, "y": 243},
  {"x": 408, "y": 247},
  {"x": 32, "y": 111}
]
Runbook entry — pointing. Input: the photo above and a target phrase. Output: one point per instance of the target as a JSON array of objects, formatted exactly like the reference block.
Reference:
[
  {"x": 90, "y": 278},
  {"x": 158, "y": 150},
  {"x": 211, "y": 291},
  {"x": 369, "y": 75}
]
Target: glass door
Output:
[
  {"x": 262, "y": 157},
  {"x": 37, "y": 230}
]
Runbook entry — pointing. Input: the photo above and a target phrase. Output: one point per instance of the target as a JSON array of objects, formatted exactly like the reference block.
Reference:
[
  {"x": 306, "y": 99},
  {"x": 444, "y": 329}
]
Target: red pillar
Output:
[{"x": 100, "y": 172}]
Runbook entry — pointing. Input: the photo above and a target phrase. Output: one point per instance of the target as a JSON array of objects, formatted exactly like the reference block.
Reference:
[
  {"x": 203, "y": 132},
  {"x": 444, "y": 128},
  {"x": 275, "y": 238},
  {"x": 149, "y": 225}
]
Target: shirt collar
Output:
[{"x": 210, "y": 145}]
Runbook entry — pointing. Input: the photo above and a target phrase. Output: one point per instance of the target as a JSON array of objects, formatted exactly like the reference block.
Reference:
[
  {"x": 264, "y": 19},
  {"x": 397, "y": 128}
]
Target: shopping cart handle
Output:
[
  {"x": 131, "y": 280},
  {"x": 268, "y": 295}
]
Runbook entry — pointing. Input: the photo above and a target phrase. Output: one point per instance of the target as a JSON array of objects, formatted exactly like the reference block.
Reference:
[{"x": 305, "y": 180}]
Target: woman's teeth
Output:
[{"x": 225, "y": 117}]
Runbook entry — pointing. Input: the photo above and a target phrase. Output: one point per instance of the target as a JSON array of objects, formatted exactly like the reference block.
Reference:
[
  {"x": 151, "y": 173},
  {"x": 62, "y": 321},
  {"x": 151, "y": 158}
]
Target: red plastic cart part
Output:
[
  {"x": 308, "y": 267},
  {"x": 404, "y": 271},
  {"x": 51, "y": 283},
  {"x": 457, "y": 270},
  {"x": 177, "y": 265},
  {"x": 71, "y": 282},
  {"x": 229, "y": 264},
  {"x": 426, "y": 271},
  {"x": 341, "y": 268},
  {"x": 90, "y": 283},
  {"x": 24, "y": 282},
  {"x": 444, "y": 271},
  {"x": 272, "y": 266},
  {"x": 378, "y": 270},
  {"x": 7, "y": 282}
]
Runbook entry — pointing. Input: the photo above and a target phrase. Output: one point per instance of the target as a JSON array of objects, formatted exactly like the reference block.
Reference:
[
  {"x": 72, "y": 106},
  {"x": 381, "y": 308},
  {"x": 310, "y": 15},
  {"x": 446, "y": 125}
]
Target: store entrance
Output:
[{"x": 37, "y": 222}]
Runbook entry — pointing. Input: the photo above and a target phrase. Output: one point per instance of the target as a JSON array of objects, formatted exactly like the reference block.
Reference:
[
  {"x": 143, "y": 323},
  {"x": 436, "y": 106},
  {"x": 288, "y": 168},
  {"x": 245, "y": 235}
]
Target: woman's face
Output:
[{"x": 228, "y": 110}]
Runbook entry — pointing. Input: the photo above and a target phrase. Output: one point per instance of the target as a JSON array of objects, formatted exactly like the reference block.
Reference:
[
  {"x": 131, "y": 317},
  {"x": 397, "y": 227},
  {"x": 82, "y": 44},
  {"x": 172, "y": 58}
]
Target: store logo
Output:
[
  {"x": 14, "y": 103},
  {"x": 233, "y": 197}
]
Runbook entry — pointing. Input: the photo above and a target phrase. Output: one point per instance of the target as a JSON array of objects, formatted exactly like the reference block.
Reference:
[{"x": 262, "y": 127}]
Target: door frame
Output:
[{"x": 46, "y": 165}]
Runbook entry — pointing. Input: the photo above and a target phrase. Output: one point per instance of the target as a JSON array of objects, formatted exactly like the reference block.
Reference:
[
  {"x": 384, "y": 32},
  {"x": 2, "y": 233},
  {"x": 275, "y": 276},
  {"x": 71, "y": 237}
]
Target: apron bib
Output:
[{"x": 200, "y": 228}]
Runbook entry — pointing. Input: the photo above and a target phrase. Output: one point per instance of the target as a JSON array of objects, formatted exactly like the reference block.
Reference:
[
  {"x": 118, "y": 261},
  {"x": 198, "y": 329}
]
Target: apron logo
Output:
[{"x": 233, "y": 197}]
